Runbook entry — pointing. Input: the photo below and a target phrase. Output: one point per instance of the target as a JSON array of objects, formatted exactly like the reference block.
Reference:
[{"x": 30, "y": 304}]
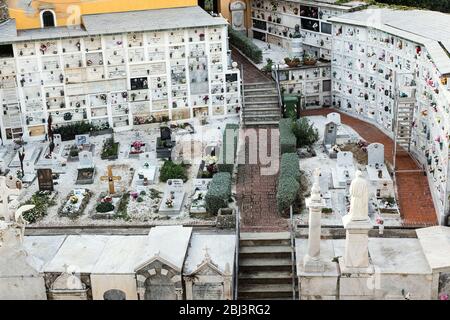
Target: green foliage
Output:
[
  {"x": 74, "y": 151},
  {"x": 219, "y": 192},
  {"x": 288, "y": 181},
  {"x": 245, "y": 45},
  {"x": 69, "y": 131},
  {"x": 155, "y": 194},
  {"x": 223, "y": 164},
  {"x": 327, "y": 210},
  {"x": 104, "y": 207},
  {"x": 288, "y": 141},
  {"x": 305, "y": 132},
  {"x": 123, "y": 205},
  {"x": 41, "y": 200},
  {"x": 110, "y": 148},
  {"x": 171, "y": 170},
  {"x": 268, "y": 67},
  {"x": 140, "y": 199},
  {"x": 290, "y": 165}
]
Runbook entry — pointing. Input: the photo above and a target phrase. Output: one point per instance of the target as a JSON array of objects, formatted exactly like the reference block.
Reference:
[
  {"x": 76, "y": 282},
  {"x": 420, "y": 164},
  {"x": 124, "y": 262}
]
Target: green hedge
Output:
[
  {"x": 224, "y": 165},
  {"x": 288, "y": 181},
  {"x": 219, "y": 192},
  {"x": 245, "y": 45},
  {"x": 69, "y": 131},
  {"x": 171, "y": 170},
  {"x": 288, "y": 141}
]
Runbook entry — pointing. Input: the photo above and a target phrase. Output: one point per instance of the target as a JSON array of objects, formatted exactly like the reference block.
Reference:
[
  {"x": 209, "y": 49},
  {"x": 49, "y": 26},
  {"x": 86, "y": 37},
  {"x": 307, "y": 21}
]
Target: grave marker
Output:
[
  {"x": 45, "y": 179},
  {"x": 110, "y": 178}
]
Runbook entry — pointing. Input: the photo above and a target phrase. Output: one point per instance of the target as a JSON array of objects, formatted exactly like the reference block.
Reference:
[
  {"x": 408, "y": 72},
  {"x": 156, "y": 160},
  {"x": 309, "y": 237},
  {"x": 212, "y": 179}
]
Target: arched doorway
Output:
[
  {"x": 114, "y": 294},
  {"x": 159, "y": 287},
  {"x": 48, "y": 19}
]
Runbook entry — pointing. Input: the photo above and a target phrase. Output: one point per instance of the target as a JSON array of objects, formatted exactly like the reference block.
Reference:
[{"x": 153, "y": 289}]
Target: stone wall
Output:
[{"x": 3, "y": 11}]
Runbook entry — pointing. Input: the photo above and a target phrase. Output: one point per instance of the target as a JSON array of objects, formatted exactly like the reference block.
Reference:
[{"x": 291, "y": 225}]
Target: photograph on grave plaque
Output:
[
  {"x": 139, "y": 83},
  {"x": 45, "y": 179}
]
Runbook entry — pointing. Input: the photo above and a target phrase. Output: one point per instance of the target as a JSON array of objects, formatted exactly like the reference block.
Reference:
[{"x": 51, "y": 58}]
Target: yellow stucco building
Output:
[{"x": 28, "y": 14}]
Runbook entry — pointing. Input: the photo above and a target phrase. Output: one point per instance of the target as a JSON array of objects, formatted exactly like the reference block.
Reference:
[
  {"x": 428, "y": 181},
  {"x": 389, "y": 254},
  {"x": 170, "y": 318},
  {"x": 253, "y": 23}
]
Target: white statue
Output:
[
  {"x": 359, "y": 198},
  {"x": 9, "y": 186}
]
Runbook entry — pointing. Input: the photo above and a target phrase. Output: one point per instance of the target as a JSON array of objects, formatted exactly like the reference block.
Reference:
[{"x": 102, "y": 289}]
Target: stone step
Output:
[
  {"x": 260, "y": 85},
  {"x": 260, "y": 291},
  {"x": 266, "y": 252},
  {"x": 265, "y": 236},
  {"x": 262, "y": 103},
  {"x": 265, "y": 264},
  {"x": 273, "y": 116},
  {"x": 260, "y": 91},
  {"x": 261, "y": 108},
  {"x": 271, "y": 123},
  {"x": 277, "y": 239},
  {"x": 265, "y": 277},
  {"x": 262, "y": 98}
]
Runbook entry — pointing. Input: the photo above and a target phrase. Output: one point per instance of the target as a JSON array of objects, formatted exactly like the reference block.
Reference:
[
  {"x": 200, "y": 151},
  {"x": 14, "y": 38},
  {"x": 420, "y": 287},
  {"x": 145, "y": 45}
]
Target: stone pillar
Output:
[
  {"x": 356, "y": 242},
  {"x": 189, "y": 293},
  {"x": 227, "y": 288},
  {"x": 312, "y": 261}
]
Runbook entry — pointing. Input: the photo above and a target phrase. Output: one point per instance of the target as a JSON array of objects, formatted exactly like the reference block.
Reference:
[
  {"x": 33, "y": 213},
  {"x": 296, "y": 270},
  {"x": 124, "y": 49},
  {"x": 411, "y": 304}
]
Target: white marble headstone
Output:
[
  {"x": 334, "y": 117},
  {"x": 85, "y": 159},
  {"x": 57, "y": 140},
  {"x": 345, "y": 159},
  {"x": 375, "y": 153}
]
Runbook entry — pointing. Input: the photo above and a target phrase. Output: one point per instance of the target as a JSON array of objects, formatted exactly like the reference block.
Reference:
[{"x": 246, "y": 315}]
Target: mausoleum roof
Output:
[
  {"x": 111, "y": 23},
  {"x": 435, "y": 242},
  {"x": 219, "y": 247},
  {"x": 168, "y": 243},
  {"x": 43, "y": 247},
  {"x": 430, "y": 28}
]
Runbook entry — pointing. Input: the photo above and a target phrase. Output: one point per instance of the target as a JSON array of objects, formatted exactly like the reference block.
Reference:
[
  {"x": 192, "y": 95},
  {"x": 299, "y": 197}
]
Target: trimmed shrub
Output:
[
  {"x": 290, "y": 165},
  {"x": 69, "y": 131},
  {"x": 287, "y": 192},
  {"x": 245, "y": 45},
  {"x": 171, "y": 170},
  {"x": 223, "y": 165},
  {"x": 288, "y": 141},
  {"x": 288, "y": 181},
  {"x": 305, "y": 132},
  {"x": 219, "y": 192}
]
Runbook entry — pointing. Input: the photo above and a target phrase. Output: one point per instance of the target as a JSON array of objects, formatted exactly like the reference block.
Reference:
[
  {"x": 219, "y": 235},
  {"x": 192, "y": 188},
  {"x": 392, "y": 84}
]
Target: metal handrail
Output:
[
  {"x": 292, "y": 232},
  {"x": 242, "y": 94},
  {"x": 236, "y": 259},
  {"x": 277, "y": 81}
]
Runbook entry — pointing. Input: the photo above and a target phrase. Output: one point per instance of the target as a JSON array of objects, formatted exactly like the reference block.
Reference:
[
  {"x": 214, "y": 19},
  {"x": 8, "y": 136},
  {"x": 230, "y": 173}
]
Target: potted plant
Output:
[{"x": 309, "y": 60}]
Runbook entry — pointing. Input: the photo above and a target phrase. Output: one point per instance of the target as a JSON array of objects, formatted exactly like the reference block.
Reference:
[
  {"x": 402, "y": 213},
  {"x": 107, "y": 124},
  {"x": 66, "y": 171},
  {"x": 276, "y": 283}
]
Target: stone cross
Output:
[
  {"x": 110, "y": 178},
  {"x": 311, "y": 261},
  {"x": 5, "y": 192}
]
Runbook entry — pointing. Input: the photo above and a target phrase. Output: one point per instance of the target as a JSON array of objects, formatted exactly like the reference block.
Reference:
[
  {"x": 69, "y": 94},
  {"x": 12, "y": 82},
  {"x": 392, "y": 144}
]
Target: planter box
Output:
[
  {"x": 226, "y": 218},
  {"x": 112, "y": 157},
  {"x": 163, "y": 152},
  {"x": 101, "y": 132}
]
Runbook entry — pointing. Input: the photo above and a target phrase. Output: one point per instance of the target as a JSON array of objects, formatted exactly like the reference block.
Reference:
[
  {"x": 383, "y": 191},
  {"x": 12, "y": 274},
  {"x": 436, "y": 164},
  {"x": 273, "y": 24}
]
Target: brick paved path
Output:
[
  {"x": 256, "y": 195},
  {"x": 251, "y": 74},
  {"x": 415, "y": 200}
]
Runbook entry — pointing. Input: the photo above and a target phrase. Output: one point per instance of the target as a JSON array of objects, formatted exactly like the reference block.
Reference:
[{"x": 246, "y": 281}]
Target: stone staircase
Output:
[
  {"x": 261, "y": 104},
  {"x": 265, "y": 266}
]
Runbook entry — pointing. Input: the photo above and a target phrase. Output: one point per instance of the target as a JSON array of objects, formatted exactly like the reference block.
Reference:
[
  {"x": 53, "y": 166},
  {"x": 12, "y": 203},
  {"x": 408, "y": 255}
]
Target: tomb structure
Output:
[
  {"x": 380, "y": 180},
  {"x": 173, "y": 198},
  {"x": 344, "y": 171},
  {"x": 147, "y": 171},
  {"x": 389, "y": 68},
  {"x": 86, "y": 168},
  {"x": 161, "y": 64},
  {"x": 365, "y": 268}
]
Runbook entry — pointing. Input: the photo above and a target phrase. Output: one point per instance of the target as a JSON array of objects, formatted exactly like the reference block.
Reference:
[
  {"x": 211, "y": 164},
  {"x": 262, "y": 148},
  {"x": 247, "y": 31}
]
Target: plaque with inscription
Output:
[
  {"x": 207, "y": 291},
  {"x": 45, "y": 179}
]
